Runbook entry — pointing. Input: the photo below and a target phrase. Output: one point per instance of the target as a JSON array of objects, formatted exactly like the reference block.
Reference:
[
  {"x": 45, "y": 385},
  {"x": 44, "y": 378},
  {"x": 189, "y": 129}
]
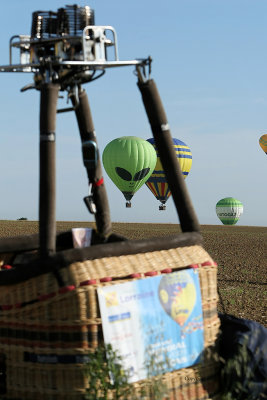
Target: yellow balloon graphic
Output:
[
  {"x": 164, "y": 296},
  {"x": 183, "y": 304},
  {"x": 177, "y": 294}
]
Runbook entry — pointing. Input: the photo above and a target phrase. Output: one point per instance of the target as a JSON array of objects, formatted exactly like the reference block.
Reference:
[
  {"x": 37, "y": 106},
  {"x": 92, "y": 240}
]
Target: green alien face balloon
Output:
[{"x": 129, "y": 161}]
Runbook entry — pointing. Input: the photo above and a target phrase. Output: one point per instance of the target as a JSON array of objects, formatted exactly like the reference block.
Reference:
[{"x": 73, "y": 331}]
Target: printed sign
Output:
[{"x": 157, "y": 320}]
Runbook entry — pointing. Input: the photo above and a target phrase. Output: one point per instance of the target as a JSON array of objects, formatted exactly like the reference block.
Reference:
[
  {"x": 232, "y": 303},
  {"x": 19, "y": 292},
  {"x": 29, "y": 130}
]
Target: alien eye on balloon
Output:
[
  {"x": 141, "y": 174},
  {"x": 123, "y": 174}
]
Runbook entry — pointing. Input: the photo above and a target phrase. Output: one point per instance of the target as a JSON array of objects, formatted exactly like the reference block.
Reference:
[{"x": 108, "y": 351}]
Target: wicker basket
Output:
[{"x": 47, "y": 331}]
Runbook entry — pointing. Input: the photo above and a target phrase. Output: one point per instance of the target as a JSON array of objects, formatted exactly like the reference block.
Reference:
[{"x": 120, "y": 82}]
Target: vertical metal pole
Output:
[{"x": 47, "y": 181}]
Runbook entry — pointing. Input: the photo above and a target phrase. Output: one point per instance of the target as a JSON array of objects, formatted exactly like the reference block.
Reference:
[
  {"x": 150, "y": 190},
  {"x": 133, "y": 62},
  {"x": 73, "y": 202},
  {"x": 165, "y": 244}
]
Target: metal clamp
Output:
[
  {"x": 90, "y": 156},
  {"x": 90, "y": 204}
]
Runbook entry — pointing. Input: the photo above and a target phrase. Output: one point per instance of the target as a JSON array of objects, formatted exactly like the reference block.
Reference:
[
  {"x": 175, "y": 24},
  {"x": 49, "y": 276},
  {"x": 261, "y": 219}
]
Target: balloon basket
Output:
[
  {"x": 162, "y": 207},
  {"x": 50, "y": 319}
]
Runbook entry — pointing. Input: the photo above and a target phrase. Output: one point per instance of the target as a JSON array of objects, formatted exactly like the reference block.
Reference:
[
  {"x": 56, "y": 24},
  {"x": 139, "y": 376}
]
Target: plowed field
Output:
[{"x": 240, "y": 251}]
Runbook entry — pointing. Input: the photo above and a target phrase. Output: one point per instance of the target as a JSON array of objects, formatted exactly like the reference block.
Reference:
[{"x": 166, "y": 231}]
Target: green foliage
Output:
[
  {"x": 156, "y": 366},
  {"x": 105, "y": 363},
  {"x": 22, "y": 219}
]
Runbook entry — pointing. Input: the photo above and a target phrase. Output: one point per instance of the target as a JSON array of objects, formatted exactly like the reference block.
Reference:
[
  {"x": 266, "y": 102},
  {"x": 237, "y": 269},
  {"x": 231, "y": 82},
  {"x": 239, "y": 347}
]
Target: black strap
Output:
[{"x": 97, "y": 202}]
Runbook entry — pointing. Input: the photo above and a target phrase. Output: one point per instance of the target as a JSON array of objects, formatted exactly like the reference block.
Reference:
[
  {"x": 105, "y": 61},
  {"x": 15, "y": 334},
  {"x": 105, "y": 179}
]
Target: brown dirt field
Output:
[{"x": 240, "y": 252}]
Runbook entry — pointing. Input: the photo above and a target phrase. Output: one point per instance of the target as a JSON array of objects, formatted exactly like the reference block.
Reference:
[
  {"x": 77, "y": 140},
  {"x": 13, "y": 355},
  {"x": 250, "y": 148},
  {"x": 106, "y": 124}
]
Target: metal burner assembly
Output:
[{"x": 67, "y": 46}]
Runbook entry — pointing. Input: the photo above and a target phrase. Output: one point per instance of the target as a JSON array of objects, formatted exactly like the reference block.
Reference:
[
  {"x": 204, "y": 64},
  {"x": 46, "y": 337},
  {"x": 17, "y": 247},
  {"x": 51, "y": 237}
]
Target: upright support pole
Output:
[
  {"x": 47, "y": 182},
  {"x": 163, "y": 140},
  {"x": 92, "y": 163}
]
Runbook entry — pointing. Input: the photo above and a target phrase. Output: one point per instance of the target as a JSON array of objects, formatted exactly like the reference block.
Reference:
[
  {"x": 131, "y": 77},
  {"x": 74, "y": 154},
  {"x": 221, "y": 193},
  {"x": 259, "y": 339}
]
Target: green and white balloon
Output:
[{"x": 229, "y": 210}]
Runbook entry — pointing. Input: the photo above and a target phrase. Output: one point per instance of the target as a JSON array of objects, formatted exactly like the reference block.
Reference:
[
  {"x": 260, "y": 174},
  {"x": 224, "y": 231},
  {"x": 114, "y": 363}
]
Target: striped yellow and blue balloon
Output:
[
  {"x": 157, "y": 182},
  {"x": 263, "y": 143}
]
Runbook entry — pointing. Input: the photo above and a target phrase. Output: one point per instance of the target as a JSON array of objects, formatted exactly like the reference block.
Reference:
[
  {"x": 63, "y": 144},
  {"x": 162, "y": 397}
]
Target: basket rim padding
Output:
[
  {"x": 61, "y": 259},
  {"x": 22, "y": 243}
]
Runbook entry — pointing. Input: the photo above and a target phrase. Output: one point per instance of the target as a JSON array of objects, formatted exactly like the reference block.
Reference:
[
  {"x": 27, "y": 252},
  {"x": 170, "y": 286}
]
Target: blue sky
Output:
[{"x": 209, "y": 64}]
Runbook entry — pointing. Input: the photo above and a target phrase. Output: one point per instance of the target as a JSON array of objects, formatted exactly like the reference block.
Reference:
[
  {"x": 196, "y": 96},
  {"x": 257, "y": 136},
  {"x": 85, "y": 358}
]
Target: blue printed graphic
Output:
[{"x": 158, "y": 317}]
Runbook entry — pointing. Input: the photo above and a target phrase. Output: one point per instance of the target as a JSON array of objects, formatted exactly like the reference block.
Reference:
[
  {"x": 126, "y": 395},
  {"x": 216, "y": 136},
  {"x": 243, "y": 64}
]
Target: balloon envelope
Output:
[
  {"x": 157, "y": 182},
  {"x": 229, "y": 210},
  {"x": 263, "y": 143},
  {"x": 129, "y": 161}
]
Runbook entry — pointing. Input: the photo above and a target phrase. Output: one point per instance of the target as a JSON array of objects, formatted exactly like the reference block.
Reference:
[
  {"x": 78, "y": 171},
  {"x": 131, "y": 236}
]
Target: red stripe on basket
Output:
[
  {"x": 46, "y": 296},
  {"x": 194, "y": 266},
  {"x": 135, "y": 275},
  {"x": 66, "y": 289},
  {"x": 106, "y": 279},
  {"x": 5, "y": 341},
  {"x": 88, "y": 282},
  {"x": 151, "y": 273},
  {"x": 166, "y": 271},
  {"x": 6, "y": 266},
  {"x": 209, "y": 263},
  {"x": 7, "y": 307}
]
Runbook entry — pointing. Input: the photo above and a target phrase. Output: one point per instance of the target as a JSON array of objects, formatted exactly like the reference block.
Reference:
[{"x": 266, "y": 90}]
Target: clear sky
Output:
[{"x": 209, "y": 64}]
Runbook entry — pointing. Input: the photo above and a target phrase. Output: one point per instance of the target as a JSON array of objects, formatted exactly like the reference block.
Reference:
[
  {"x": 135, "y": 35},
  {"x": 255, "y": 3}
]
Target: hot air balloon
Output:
[
  {"x": 177, "y": 295},
  {"x": 129, "y": 161},
  {"x": 263, "y": 143},
  {"x": 229, "y": 210},
  {"x": 157, "y": 182}
]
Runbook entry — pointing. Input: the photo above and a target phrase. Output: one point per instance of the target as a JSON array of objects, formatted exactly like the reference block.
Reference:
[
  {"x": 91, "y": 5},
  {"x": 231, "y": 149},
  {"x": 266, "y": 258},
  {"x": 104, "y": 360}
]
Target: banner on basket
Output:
[{"x": 154, "y": 321}]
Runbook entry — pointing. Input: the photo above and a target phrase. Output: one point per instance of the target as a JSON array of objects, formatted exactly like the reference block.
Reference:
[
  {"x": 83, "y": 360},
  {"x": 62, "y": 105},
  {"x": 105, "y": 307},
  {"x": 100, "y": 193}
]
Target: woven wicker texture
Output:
[{"x": 46, "y": 332}]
